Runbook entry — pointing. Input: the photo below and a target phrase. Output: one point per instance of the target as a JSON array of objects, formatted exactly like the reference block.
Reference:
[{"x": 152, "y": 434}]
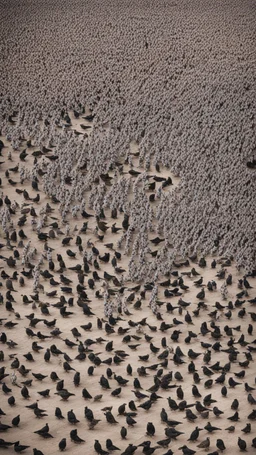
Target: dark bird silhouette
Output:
[
  {"x": 64, "y": 394},
  {"x": 150, "y": 429},
  {"x": 110, "y": 418},
  {"x": 75, "y": 438},
  {"x": 98, "y": 448},
  {"x": 58, "y": 414},
  {"x": 186, "y": 450},
  {"x": 72, "y": 417},
  {"x": 62, "y": 444},
  {"x": 16, "y": 421},
  {"x": 195, "y": 434},
  {"x": 44, "y": 432},
  {"x": 220, "y": 445},
  {"x": 123, "y": 432},
  {"x": 242, "y": 444},
  {"x": 18, "y": 448},
  {"x": 110, "y": 446},
  {"x": 210, "y": 428},
  {"x": 130, "y": 421}
]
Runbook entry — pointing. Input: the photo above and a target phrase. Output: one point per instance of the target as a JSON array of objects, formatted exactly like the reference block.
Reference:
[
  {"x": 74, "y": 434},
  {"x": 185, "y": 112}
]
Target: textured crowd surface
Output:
[
  {"x": 176, "y": 77},
  {"x": 127, "y": 227}
]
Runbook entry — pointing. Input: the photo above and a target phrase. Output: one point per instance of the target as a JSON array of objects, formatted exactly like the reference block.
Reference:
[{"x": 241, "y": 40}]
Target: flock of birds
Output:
[
  {"x": 162, "y": 365},
  {"x": 127, "y": 227},
  {"x": 169, "y": 76}
]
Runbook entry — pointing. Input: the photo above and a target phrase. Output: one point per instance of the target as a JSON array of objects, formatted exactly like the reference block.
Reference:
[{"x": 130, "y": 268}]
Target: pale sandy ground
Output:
[{"x": 136, "y": 435}]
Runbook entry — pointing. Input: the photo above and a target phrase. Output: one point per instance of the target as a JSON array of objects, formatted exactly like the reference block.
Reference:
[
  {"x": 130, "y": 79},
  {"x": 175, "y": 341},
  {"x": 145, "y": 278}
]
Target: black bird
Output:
[
  {"x": 88, "y": 414},
  {"x": 247, "y": 428},
  {"x": 130, "y": 449},
  {"x": 195, "y": 434},
  {"x": 5, "y": 444},
  {"x": 186, "y": 450},
  {"x": 23, "y": 155},
  {"x": 242, "y": 444},
  {"x": 121, "y": 409},
  {"x": 157, "y": 240},
  {"x": 217, "y": 412},
  {"x": 44, "y": 393},
  {"x": 72, "y": 417},
  {"x": 44, "y": 432},
  {"x": 234, "y": 418},
  {"x": 86, "y": 395},
  {"x": 18, "y": 448},
  {"x": 39, "y": 376},
  {"x": 58, "y": 414},
  {"x": 104, "y": 382},
  {"x": 220, "y": 445},
  {"x": 64, "y": 394},
  {"x": 110, "y": 446},
  {"x": 146, "y": 405},
  {"x": 16, "y": 421},
  {"x": 232, "y": 383},
  {"x": 201, "y": 294},
  {"x": 150, "y": 429},
  {"x": 110, "y": 418},
  {"x": 190, "y": 415},
  {"x": 11, "y": 401},
  {"x": 67, "y": 367},
  {"x": 130, "y": 421},
  {"x": 211, "y": 428},
  {"x": 75, "y": 438},
  {"x": 116, "y": 392},
  {"x": 62, "y": 444},
  {"x": 123, "y": 432},
  {"x": 6, "y": 389},
  {"x": 4, "y": 427},
  {"x": 66, "y": 241},
  {"x": 98, "y": 448}
]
